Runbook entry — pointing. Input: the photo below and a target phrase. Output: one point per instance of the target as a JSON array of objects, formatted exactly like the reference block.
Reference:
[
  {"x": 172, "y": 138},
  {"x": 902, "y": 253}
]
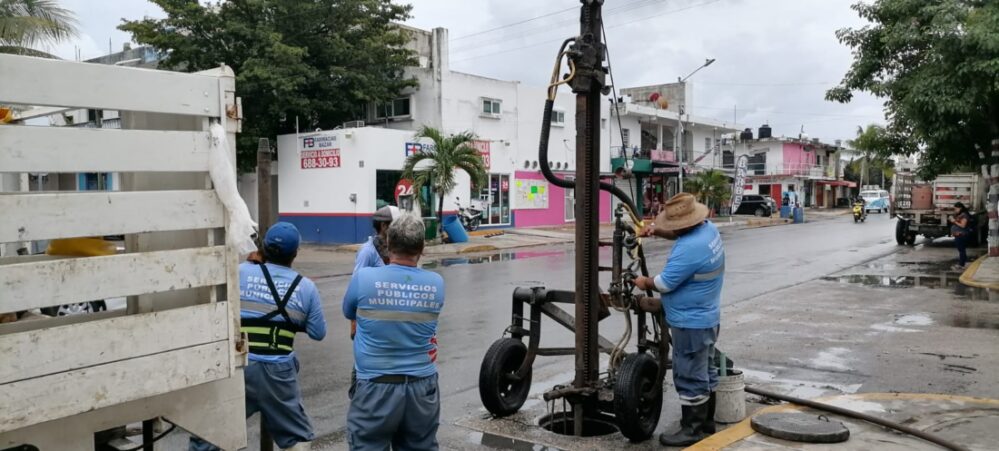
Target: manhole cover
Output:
[{"x": 800, "y": 427}]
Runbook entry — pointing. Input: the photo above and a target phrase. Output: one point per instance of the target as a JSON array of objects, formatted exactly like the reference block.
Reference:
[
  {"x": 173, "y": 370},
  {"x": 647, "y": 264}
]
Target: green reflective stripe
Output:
[
  {"x": 256, "y": 330},
  {"x": 286, "y": 333},
  {"x": 396, "y": 315}
]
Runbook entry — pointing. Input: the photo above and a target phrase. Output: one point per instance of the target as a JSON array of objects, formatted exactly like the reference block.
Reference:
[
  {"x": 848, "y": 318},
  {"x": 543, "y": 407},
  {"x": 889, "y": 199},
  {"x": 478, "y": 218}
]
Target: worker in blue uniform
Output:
[
  {"x": 690, "y": 284},
  {"x": 374, "y": 252},
  {"x": 277, "y": 303},
  {"x": 395, "y": 401}
]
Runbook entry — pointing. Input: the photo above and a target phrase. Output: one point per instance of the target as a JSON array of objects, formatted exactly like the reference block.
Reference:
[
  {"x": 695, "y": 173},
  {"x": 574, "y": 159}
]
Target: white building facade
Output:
[{"x": 332, "y": 201}]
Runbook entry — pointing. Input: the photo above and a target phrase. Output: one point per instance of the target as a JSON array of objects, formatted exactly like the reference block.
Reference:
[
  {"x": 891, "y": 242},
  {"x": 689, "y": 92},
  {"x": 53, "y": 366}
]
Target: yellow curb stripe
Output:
[
  {"x": 743, "y": 429},
  {"x": 968, "y": 276}
]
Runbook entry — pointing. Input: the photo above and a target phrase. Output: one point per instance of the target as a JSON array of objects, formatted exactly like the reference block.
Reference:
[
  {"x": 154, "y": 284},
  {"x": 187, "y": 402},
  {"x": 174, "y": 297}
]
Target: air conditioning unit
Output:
[{"x": 353, "y": 124}]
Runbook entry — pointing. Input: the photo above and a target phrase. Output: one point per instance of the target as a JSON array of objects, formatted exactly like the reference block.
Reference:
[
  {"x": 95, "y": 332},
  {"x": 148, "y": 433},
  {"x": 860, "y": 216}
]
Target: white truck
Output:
[
  {"x": 922, "y": 208},
  {"x": 175, "y": 353}
]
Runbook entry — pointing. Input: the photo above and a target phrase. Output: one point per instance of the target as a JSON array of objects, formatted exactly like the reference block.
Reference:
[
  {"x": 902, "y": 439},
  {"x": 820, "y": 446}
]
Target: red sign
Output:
[
  {"x": 403, "y": 188},
  {"x": 483, "y": 148},
  {"x": 318, "y": 159}
]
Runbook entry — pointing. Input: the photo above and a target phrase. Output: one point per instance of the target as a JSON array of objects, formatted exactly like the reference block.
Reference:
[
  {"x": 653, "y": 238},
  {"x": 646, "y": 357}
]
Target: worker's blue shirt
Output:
[
  {"x": 304, "y": 307},
  {"x": 368, "y": 256},
  {"x": 691, "y": 282},
  {"x": 396, "y": 309}
]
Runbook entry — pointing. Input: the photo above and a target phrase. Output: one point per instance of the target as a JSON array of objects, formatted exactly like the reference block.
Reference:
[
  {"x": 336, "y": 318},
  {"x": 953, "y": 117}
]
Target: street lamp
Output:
[{"x": 679, "y": 133}]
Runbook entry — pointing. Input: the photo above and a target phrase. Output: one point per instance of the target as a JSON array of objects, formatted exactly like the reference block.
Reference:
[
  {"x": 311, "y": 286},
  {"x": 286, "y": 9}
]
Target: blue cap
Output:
[{"x": 283, "y": 237}]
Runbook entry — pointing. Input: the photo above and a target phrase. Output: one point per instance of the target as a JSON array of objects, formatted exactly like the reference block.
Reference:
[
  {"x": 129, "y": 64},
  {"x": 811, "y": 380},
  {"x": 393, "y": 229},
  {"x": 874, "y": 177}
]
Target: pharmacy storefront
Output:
[{"x": 331, "y": 183}]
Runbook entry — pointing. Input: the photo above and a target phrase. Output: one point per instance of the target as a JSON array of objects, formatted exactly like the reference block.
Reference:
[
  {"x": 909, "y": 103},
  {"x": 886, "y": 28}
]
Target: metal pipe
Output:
[{"x": 860, "y": 416}]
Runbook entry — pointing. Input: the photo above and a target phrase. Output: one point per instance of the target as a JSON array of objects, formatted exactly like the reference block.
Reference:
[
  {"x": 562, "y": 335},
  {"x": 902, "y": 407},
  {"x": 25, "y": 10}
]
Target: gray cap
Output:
[{"x": 386, "y": 214}]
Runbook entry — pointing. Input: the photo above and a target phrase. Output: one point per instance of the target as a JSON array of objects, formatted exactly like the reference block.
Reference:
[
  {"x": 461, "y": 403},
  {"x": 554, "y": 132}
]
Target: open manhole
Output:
[{"x": 563, "y": 423}]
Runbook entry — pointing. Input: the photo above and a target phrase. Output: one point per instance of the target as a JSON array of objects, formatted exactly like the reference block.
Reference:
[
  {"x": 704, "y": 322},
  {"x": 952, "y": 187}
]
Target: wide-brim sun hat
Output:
[{"x": 680, "y": 212}]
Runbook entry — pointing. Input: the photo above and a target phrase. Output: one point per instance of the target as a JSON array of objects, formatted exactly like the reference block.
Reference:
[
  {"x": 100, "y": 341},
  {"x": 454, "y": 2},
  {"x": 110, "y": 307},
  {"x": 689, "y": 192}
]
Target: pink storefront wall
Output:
[{"x": 555, "y": 213}]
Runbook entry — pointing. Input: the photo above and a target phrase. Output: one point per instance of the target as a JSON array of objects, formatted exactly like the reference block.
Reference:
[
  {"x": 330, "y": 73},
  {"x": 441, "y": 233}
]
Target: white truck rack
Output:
[{"x": 175, "y": 352}]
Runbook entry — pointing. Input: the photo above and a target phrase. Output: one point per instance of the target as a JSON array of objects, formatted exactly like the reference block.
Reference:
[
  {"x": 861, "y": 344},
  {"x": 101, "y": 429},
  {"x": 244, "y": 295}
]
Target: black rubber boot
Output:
[
  {"x": 691, "y": 427},
  {"x": 709, "y": 421}
]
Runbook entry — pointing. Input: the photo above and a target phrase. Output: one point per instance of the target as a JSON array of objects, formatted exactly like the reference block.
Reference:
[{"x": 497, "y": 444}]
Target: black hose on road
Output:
[{"x": 859, "y": 416}]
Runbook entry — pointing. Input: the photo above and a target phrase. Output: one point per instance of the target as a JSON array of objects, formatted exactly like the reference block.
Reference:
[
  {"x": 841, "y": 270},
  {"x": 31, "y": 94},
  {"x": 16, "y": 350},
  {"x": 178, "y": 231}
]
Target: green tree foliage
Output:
[
  {"x": 936, "y": 64},
  {"x": 876, "y": 149},
  {"x": 317, "y": 61},
  {"x": 711, "y": 187},
  {"x": 26, "y": 24},
  {"x": 436, "y": 166}
]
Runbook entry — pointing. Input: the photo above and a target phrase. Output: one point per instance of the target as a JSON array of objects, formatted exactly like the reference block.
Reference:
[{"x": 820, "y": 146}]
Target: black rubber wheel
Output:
[
  {"x": 759, "y": 212},
  {"x": 638, "y": 397},
  {"x": 500, "y": 393},
  {"x": 473, "y": 225},
  {"x": 856, "y": 219},
  {"x": 901, "y": 227},
  {"x": 910, "y": 239}
]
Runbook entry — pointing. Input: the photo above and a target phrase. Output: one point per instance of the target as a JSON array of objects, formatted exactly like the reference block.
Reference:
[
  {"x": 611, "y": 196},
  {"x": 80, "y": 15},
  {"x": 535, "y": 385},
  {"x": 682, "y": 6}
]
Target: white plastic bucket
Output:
[{"x": 730, "y": 405}]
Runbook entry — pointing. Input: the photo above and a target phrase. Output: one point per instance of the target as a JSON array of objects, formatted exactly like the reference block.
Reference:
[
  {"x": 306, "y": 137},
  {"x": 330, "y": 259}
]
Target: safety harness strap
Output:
[{"x": 266, "y": 335}]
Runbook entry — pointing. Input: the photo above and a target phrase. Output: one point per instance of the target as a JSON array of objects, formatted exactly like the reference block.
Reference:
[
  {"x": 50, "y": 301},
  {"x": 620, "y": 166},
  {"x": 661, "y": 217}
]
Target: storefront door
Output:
[{"x": 495, "y": 200}]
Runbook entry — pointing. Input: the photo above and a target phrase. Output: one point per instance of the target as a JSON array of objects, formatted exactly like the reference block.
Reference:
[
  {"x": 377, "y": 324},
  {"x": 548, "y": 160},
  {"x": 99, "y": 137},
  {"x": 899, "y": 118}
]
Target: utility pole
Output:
[
  {"x": 587, "y": 54},
  {"x": 264, "y": 219}
]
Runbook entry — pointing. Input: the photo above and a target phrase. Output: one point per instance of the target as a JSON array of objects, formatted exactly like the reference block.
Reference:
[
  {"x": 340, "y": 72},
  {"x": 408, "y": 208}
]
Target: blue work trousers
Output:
[
  {"x": 272, "y": 389},
  {"x": 399, "y": 416},
  {"x": 695, "y": 373}
]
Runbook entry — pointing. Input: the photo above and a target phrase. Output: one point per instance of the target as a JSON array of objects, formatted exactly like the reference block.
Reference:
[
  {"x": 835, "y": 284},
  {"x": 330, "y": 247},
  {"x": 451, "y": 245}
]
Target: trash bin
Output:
[
  {"x": 455, "y": 231},
  {"x": 431, "y": 226},
  {"x": 785, "y": 211},
  {"x": 799, "y": 215}
]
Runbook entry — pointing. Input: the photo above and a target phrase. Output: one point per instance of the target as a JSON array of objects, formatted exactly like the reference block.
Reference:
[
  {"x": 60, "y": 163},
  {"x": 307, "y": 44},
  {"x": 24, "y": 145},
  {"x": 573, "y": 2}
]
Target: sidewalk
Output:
[{"x": 982, "y": 273}]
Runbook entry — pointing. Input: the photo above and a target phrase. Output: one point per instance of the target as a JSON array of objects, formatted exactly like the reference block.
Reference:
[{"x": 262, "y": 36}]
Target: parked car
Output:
[
  {"x": 753, "y": 204},
  {"x": 771, "y": 202}
]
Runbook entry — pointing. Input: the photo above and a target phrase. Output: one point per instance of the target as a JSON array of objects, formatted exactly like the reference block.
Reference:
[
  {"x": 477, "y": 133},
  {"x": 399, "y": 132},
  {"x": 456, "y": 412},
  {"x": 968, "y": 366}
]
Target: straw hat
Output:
[{"x": 680, "y": 212}]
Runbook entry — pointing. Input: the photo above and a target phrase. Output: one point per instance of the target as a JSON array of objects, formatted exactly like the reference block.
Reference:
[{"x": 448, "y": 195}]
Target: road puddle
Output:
[
  {"x": 947, "y": 281},
  {"x": 491, "y": 258}
]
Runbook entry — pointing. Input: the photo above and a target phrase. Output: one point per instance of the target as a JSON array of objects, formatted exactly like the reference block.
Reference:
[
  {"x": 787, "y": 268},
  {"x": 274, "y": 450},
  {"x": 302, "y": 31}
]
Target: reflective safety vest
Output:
[{"x": 268, "y": 334}]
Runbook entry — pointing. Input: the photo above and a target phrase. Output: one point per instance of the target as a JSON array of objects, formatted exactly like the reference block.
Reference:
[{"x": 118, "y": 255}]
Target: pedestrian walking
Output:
[
  {"x": 276, "y": 303},
  {"x": 960, "y": 230},
  {"x": 395, "y": 401},
  {"x": 690, "y": 284}
]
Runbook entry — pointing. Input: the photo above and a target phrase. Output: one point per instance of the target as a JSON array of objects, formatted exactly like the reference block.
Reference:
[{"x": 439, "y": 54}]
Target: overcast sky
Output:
[{"x": 774, "y": 58}]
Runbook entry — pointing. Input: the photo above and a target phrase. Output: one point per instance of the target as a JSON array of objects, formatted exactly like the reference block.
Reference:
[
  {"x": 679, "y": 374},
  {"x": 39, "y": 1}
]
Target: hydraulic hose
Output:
[
  {"x": 568, "y": 184},
  {"x": 860, "y": 416}
]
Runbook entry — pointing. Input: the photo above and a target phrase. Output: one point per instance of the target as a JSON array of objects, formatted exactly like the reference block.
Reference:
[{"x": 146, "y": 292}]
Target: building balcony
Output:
[{"x": 801, "y": 170}]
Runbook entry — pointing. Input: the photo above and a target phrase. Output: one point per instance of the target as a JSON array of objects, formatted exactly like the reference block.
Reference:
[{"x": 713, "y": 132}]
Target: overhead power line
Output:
[
  {"x": 547, "y": 27},
  {"x": 513, "y": 24},
  {"x": 609, "y": 27}
]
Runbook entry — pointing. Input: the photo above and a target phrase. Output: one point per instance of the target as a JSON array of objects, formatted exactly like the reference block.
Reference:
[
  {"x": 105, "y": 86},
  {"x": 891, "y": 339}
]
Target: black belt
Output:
[{"x": 397, "y": 379}]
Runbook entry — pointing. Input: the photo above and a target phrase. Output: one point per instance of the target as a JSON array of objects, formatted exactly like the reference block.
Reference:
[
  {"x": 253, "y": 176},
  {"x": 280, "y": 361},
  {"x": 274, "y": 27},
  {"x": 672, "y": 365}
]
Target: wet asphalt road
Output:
[{"x": 477, "y": 308}]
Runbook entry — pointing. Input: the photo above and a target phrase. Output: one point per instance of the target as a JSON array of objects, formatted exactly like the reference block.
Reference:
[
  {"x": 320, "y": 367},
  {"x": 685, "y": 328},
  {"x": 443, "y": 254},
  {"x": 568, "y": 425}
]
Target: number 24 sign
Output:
[{"x": 403, "y": 188}]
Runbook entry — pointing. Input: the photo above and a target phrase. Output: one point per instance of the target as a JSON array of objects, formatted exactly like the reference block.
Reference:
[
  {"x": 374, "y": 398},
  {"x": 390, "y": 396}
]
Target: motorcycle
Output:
[
  {"x": 859, "y": 212},
  {"x": 470, "y": 217}
]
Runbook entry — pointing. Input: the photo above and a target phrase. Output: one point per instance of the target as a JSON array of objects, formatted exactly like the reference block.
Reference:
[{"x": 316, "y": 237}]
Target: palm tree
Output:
[
  {"x": 25, "y": 24},
  {"x": 449, "y": 154},
  {"x": 873, "y": 146},
  {"x": 711, "y": 187}
]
